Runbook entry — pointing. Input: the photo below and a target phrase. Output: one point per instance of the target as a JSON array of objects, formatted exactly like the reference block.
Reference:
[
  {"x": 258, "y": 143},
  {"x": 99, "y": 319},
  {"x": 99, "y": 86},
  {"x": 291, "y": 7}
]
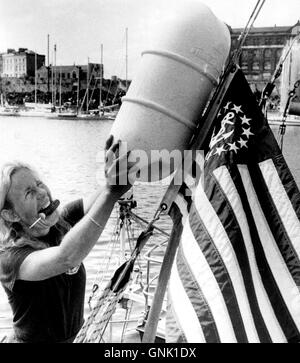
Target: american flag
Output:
[{"x": 236, "y": 275}]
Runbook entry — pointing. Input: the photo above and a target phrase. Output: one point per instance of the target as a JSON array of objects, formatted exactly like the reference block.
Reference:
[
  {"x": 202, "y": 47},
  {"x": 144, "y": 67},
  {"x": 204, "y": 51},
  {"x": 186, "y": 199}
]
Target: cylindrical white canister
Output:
[{"x": 170, "y": 90}]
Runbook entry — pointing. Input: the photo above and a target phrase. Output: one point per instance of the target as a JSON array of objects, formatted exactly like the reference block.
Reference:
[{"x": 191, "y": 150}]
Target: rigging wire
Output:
[
  {"x": 282, "y": 127},
  {"x": 290, "y": 48},
  {"x": 103, "y": 272},
  {"x": 247, "y": 29}
]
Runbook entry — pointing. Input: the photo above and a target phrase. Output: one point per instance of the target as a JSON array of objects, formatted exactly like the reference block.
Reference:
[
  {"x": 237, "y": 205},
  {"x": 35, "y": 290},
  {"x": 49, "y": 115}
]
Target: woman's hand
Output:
[{"x": 117, "y": 168}]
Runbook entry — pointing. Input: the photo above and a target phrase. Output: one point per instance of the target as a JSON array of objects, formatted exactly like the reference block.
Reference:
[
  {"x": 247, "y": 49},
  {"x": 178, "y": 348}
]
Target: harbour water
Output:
[{"x": 70, "y": 156}]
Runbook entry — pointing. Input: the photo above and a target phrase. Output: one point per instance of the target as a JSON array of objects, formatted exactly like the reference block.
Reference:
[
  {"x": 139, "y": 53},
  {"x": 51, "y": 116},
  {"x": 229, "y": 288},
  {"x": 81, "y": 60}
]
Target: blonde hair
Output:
[
  {"x": 6, "y": 173},
  {"x": 10, "y": 231}
]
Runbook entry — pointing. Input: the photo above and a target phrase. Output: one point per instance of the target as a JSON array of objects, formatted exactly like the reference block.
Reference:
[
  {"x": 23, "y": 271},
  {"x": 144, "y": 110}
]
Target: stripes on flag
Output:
[
  {"x": 282, "y": 203},
  {"x": 275, "y": 260},
  {"x": 209, "y": 286},
  {"x": 241, "y": 313},
  {"x": 267, "y": 326},
  {"x": 189, "y": 328},
  {"x": 227, "y": 286}
]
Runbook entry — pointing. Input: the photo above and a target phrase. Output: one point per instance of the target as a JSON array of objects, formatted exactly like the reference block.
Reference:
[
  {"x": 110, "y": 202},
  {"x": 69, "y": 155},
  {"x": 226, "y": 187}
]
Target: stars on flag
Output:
[
  {"x": 240, "y": 135},
  {"x": 227, "y": 107},
  {"x": 220, "y": 150},
  {"x": 237, "y": 109},
  {"x": 247, "y": 133},
  {"x": 233, "y": 147},
  {"x": 243, "y": 143},
  {"x": 245, "y": 120}
]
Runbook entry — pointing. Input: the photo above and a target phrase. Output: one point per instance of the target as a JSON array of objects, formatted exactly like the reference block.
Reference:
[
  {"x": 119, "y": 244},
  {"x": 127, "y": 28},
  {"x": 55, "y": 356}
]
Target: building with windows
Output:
[
  {"x": 69, "y": 78},
  {"x": 23, "y": 74},
  {"x": 262, "y": 51},
  {"x": 20, "y": 63}
]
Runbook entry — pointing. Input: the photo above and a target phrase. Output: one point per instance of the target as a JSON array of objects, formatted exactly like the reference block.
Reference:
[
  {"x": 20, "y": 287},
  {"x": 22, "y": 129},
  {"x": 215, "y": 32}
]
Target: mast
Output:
[
  {"x": 48, "y": 64},
  {"x": 78, "y": 88},
  {"x": 101, "y": 79},
  {"x": 35, "y": 78},
  {"x": 60, "y": 89},
  {"x": 48, "y": 42},
  {"x": 126, "y": 59},
  {"x": 54, "y": 74},
  {"x": 52, "y": 83},
  {"x": 87, "y": 86}
]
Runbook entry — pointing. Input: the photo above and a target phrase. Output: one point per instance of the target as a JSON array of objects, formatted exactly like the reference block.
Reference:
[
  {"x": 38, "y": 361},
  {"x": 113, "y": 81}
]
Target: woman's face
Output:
[{"x": 29, "y": 196}]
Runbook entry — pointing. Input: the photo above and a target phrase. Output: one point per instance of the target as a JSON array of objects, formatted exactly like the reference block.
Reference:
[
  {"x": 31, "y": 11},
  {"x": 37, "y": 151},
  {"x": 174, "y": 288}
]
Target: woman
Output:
[{"x": 41, "y": 266}]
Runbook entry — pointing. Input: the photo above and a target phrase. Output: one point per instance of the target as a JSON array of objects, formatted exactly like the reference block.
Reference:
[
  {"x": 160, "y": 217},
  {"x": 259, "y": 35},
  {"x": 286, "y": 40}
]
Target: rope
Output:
[
  {"x": 96, "y": 323},
  {"x": 282, "y": 127}
]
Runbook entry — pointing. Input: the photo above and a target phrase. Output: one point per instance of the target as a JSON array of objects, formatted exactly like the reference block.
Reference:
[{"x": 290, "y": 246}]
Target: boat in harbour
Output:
[
  {"x": 106, "y": 113},
  {"x": 9, "y": 111},
  {"x": 6, "y": 109},
  {"x": 63, "y": 115},
  {"x": 92, "y": 117},
  {"x": 32, "y": 109}
]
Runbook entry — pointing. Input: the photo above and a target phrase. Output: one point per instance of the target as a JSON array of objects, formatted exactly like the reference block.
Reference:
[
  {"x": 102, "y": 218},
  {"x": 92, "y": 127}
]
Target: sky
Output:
[{"x": 79, "y": 27}]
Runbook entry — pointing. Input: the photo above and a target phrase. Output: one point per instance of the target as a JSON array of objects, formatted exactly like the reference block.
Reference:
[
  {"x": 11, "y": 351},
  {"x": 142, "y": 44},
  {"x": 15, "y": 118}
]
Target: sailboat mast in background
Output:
[
  {"x": 126, "y": 59},
  {"x": 87, "y": 86},
  {"x": 101, "y": 80},
  {"x": 35, "y": 78},
  {"x": 55, "y": 75}
]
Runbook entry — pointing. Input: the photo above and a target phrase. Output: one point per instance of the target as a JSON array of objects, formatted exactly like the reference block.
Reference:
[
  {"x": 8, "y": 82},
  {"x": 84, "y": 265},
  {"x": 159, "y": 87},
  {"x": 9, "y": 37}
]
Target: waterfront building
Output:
[
  {"x": 20, "y": 63},
  {"x": 262, "y": 51},
  {"x": 70, "y": 74},
  {"x": 67, "y": 76}
]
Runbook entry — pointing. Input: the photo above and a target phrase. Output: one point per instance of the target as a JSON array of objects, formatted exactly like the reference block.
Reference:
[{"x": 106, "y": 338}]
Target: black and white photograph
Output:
[{"x": 149, "y": 174}]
